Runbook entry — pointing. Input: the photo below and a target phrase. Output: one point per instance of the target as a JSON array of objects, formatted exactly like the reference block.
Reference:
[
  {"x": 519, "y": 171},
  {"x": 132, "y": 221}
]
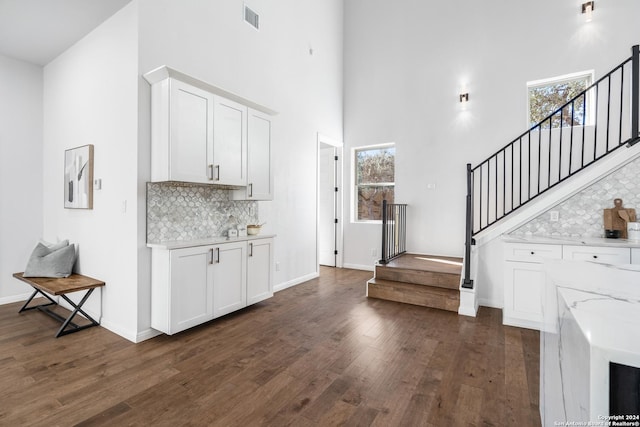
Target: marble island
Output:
[{"x": 590, "y": 343}]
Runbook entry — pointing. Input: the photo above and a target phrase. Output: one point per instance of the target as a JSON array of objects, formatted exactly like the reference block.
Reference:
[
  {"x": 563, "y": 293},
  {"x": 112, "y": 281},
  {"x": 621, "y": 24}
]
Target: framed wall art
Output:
[{"x": 78, "y": 177}]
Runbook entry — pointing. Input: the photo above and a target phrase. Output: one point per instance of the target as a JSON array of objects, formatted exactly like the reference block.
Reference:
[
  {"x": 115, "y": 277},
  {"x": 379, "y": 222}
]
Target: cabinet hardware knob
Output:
[
  {"x": 217, "y": 178},
  {"x": 211, "y": 256},
  {"x": 250, "y": 190},
  {"x": 210, "y": 173},
  {"x": 595, "y": 256},
  {"x": 533, "y": 253},
  {"x": 250, "y": 249},
  {"x": 217, "y": 255}
]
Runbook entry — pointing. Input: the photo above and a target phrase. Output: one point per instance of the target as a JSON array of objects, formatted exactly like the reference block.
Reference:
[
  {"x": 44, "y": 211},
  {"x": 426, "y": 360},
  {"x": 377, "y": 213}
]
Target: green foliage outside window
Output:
[
  {"x": 375, "y": 176},
  {"x": 546, "y": 99}
]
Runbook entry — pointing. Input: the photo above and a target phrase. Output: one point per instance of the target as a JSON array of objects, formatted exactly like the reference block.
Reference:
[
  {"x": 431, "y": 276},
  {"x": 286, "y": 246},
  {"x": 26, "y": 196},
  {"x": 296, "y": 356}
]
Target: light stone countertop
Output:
[
  {"x": 592, "y": 317},
  {"x": 577, "y": 241},
  {"x": 179, "y": 244}
]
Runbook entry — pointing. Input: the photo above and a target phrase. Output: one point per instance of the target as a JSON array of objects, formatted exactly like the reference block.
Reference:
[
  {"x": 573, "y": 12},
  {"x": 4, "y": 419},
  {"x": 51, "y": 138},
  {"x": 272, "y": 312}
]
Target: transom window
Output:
[
  {"x": 374, "y": 180},
  {"x": 546, "y": 96}
]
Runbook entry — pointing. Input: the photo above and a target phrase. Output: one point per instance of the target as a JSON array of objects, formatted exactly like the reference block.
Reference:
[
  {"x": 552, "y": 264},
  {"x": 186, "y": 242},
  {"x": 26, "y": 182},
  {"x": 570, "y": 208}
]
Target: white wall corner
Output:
[{"x": 146, "y": 335}]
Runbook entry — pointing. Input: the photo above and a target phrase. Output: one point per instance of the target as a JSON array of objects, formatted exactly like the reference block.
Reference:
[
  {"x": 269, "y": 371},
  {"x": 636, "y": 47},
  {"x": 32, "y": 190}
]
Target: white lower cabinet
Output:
[
  {"x": 193, "y": 285},
  {"x": 524, "y": 277},
  {"x": 182, "y": 288},
  {"x": 524, "y": 283},
  {"x": 229, "y": 269},
  {"x": 259, "y": 271}
]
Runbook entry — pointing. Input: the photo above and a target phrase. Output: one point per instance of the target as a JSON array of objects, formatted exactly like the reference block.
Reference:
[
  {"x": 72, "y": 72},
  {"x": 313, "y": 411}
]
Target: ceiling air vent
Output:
[{"x": 251, "y": 17}]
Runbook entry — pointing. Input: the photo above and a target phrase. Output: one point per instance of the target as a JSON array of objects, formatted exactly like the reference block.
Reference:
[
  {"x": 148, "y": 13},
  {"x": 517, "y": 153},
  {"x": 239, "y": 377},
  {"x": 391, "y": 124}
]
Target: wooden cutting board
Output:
[{"x": 616, "y": 218}]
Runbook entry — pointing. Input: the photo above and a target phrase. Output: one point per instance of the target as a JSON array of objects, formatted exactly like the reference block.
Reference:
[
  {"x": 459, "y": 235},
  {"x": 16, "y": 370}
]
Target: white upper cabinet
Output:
[
  {"x": 259, "y": 154},
  {"x": 229, "y": 142},
  {"x": 200, "y": 134},
  {"x": 182, "y": 132}
]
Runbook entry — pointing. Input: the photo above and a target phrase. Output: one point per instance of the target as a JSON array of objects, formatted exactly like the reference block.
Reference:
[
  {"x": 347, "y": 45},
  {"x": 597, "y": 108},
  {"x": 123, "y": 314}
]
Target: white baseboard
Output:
[
  {"x": 147, "y": 334},
  {"x": 521, "y": 323},
  {"x": 118, "y": 330},
  {"x": 282, "y": 286},
  {"x": 360, "y": 267},
  {"x": 15, "y": 298},
  {"x": 484, "y": 302}
]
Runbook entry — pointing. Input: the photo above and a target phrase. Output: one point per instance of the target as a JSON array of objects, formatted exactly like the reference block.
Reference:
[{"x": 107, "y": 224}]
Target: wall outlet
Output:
[
  {"x": 277, "y": 266},
  {"x": 431, "y": 186},
  {"x": 554, "y": 216}
]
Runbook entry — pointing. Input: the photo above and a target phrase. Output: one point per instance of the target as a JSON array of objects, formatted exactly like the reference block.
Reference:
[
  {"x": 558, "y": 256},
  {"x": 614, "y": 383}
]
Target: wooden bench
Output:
[{"x": 61, "y": 287}]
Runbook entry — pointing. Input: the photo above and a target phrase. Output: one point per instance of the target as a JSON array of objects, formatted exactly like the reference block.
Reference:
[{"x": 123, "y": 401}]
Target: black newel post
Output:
[{"x": 467, "y": 282}]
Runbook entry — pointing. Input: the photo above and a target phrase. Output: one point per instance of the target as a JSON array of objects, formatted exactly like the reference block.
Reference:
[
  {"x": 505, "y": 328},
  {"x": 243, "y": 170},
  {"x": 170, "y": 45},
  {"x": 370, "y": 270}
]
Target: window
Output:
[
  {"x": 374, "y": 180},
  {"x": 546, "y": 96}
]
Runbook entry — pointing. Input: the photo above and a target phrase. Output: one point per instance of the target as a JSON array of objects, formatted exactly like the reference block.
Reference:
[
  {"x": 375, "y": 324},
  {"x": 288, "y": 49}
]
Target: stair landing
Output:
[{"x": 425, "y": 280}]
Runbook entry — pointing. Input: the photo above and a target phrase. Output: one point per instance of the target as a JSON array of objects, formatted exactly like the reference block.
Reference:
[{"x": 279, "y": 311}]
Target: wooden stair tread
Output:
[{"x": 432, "y": 263}]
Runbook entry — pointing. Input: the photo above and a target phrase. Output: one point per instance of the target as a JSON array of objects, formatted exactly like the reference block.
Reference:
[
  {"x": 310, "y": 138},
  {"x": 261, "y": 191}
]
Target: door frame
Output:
[{"x": 324, "y": 140}]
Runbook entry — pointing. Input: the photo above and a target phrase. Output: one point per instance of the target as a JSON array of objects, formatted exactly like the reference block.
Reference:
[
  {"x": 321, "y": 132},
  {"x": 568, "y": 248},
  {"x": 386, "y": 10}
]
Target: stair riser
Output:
[
  {"x": 442, "y": 280},
  {"x": 416, "y": 295}
]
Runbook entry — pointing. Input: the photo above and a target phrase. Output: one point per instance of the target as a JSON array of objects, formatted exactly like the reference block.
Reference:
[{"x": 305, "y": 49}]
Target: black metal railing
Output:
[
  {"x": 601, "y": 119},
  {"x": 394, "y": 231}
]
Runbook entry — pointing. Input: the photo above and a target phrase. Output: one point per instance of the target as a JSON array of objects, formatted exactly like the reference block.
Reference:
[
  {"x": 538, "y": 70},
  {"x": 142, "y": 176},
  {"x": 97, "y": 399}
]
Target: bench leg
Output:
[
  {"x": 36, "y": 292},
  {"x": 77, "y": 309}
]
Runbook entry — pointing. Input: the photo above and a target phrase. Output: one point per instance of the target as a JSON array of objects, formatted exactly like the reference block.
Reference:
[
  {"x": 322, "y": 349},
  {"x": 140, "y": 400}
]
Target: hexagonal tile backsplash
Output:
[
  {"x": 180, "y": 211},
  {"x": 581, "y": 214}
]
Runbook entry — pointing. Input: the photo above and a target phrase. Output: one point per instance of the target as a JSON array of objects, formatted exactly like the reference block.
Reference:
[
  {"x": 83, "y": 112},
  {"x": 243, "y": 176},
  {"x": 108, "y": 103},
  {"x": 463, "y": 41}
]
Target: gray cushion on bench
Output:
[{"x": 45, "y": 262}]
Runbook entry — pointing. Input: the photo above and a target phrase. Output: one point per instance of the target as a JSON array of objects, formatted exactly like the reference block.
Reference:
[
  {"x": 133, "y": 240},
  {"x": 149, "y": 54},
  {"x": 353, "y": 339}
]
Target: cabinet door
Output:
[
  {"x": 191, "y": 133},
  {"x": 635, "y": 255},
  {"x": 523, "y": 294},
  {"x": 229, "y": 278},
  {"x": 229, "y": 142},
  {"x": 601, "y": 254},
  {"x": 191, "y": 288},
  {"x": 259, "y": 176},
  {"x": 259, "y": 270}
]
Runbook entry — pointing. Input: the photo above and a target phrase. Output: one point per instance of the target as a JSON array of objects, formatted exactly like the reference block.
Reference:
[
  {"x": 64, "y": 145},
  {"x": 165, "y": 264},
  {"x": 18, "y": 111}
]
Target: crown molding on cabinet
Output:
[{"x": 163, "y": 72}]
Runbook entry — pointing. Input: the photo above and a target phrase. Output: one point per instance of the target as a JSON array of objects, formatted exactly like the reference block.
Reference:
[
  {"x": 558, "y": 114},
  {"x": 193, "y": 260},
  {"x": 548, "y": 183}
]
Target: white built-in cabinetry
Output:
[
  {"x": 524, "y": 277},
  {"x": 192, "y": 285},
  {"x": 203, "y": 134},
  {"x": 259, "y": 175}
]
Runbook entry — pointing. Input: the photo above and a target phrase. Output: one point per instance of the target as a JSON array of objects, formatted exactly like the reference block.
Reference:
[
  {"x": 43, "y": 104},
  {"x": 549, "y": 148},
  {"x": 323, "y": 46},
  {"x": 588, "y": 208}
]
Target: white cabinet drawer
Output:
[
  {"x": 597, "y": 254},
  {"x": 527, "y": 252}
]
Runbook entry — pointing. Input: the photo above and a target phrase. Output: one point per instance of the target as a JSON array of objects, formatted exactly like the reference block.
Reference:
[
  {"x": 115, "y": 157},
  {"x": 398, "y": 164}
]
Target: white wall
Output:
[
  {"x": 406, "y": 62},
  {"x": 91, "y": 97},
  {"x": 20, "y": 171},
  {"x": 273, "y": 67}
]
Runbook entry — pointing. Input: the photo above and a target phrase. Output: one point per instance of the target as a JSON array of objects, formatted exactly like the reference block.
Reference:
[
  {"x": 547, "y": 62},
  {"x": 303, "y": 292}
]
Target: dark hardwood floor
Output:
[{"x": 318, "y": 354}]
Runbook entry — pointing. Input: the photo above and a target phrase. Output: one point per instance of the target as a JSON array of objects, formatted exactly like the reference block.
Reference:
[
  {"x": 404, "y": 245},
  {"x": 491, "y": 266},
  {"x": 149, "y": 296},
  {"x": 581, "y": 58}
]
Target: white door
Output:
[{"x": 328, "y": 202}]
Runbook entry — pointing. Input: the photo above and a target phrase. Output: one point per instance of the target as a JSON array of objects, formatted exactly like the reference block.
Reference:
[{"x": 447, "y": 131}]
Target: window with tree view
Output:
[
  {"x": 375, "y": 180},
  {"x": 547, "y": 96}
]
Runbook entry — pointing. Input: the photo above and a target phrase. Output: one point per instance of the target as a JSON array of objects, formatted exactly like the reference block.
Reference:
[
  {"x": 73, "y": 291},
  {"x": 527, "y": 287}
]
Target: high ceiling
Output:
[{"x": 37, "y": 31}]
